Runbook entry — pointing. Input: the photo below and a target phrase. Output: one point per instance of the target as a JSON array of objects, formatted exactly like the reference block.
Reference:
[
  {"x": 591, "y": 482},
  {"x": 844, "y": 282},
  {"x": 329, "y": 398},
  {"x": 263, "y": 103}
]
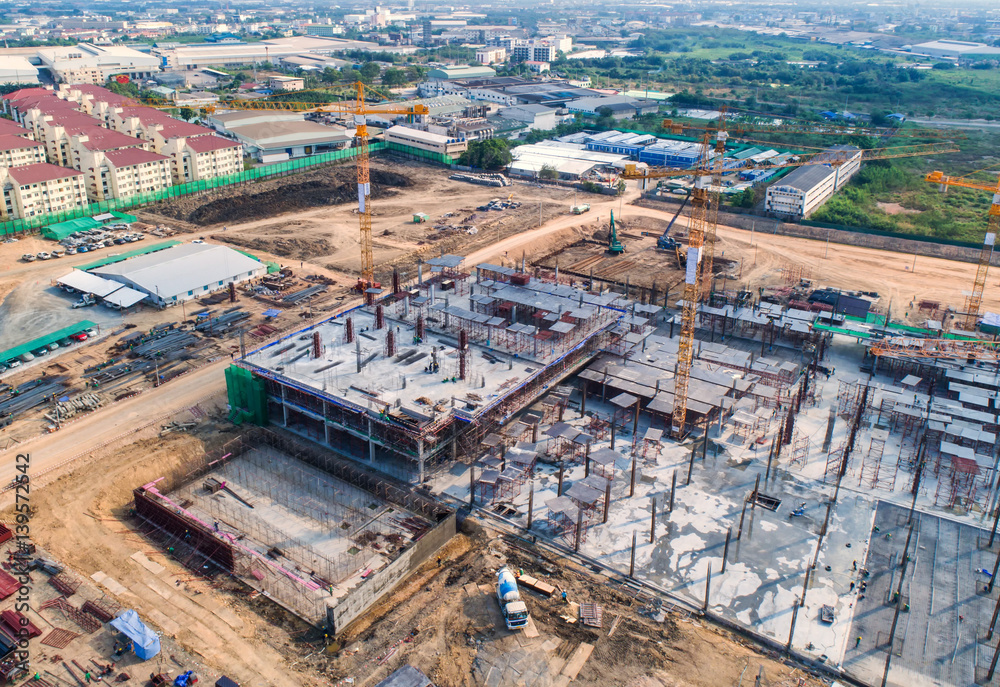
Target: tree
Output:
[
  {"x": 394, "y": 77},
  {"x": 744, "y": 199},
  {"x": 350, "y": 76},
  {"x": 369, "y": 72},
  {"x": 621, "y": 186},
  {"x": 548, "y": 172},
  {"x": 493, "y": 153},
  {"x": 187, "y": 113}
]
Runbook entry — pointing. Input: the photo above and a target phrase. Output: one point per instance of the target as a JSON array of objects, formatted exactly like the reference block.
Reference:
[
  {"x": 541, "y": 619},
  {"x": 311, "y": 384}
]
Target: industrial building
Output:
[
  {"x": 955, "y": 50},
  {"x": 425, "y": 140},
  {"x": 425, "y": 372},
  {"x": 570, "y": 160},
  {"x": 93, "y": 64},
  {"x": 235, "y": 55},
  {"x": 17, "y": 69},
  {"x": 182, "y": 272},
  {"x": 278, "y": 136},
  {"x": 620, "y": 106},
  {"x": 461, "y": 72},
  {"x": 800, "y": 193}
]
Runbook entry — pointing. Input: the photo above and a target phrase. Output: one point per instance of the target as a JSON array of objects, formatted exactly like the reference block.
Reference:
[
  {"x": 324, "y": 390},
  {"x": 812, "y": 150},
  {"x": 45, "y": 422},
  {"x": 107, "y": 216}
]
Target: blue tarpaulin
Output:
[
  {"x": 145, "y": 643},
  {"x": 272, "y": 312}
]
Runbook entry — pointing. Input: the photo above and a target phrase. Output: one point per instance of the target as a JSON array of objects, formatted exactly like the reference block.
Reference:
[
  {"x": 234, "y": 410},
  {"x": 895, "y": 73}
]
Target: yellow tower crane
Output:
[
  {"x": 357, "y": 108},
  {"x": 975, "y": 298},
  {"x": 703, "y": 220}
]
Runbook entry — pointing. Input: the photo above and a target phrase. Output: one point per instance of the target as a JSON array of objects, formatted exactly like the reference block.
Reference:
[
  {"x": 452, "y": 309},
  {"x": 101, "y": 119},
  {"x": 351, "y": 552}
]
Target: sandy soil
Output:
[
  {"x": 896, "y": 209},
  {"x": 83, "y": 520}
]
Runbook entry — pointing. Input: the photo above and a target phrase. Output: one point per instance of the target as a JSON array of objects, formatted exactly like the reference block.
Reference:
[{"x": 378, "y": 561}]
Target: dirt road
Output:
[{"x": 92, "y": 431}]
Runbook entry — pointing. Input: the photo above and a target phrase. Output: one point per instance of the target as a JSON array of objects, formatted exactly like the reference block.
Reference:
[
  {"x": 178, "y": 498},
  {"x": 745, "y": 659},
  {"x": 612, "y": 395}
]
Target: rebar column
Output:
[
  {"x": 631, "y": 565},
  {"x": 725, "y": 550},
  {"x": 652, "y": 522},
  {"x": 531, "y": 502}
]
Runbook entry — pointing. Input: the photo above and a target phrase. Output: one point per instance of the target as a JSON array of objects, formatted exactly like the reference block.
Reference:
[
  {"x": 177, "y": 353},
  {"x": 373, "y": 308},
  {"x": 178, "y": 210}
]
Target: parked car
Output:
[
  {"x": 44, "y": 256},
  {"x": 53, "y": 346},
  {"x": 29, "y": 257},
  {"x": 78, "y": 337},
  {"x": 12, "y": 363},
  {"x": 27, "y": 357},
  {"x": 39, "y": 352},
  {"x": 91, "y": 332}
]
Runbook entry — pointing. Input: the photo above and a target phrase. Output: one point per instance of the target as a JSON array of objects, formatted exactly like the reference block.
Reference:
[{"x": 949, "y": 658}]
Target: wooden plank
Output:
[
  {"x": 530, "y": 631},
  {"x": 614, "y": 625},
  {"x": 575, "y": 663}
]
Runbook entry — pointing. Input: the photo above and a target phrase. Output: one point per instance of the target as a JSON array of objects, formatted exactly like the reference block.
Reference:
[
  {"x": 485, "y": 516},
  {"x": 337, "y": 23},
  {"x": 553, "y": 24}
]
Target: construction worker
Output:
[{"x": 857, "y": 641}]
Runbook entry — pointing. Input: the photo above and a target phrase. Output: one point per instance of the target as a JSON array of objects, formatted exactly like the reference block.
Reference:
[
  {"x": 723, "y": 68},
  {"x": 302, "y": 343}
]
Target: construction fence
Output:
[{"x": 257, "y": 173}]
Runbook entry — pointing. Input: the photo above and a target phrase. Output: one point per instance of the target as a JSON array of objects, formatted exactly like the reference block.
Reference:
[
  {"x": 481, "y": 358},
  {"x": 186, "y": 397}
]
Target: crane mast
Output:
[
  {"x": 364, "y": 192},
  {"x": 698, "y": 223},
  {"x": 974, "y": 301}
]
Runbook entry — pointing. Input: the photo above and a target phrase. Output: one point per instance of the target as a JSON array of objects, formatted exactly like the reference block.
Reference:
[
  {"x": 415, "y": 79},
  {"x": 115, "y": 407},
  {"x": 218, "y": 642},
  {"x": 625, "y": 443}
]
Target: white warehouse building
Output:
[
  {"x": 183, "y": 272},
  {"x": 803, "y": 191}
]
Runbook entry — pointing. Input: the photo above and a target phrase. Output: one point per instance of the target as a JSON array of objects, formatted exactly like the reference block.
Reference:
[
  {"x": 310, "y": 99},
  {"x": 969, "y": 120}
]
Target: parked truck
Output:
[
  {"x": 580, "y": 209},
  {"x": 515, "y": 613}
]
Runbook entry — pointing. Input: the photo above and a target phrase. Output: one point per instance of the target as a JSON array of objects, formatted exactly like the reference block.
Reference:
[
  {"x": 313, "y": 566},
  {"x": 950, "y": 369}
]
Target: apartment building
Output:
[
  {"x": 537, "y": 49},
  {"x": 96, "y": 101},
  {"x": 17, "y": 151},
  {"x": 40, "y": 189},
  {"x": 203, "y": 157},
  {"x": 490, "y": 56},
  {"x": 286, "y": 83},
  {"x": 125, "y": 172},
  {"x": 99, "y": 139},
  {"x": 154, "y": 126}
]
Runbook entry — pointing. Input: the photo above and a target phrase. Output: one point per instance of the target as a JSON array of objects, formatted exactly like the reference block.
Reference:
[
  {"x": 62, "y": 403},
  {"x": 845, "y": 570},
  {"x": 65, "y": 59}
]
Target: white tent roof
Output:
[
  {"x": 124, "y": 297},
  {"x": 89, "y": 283}
]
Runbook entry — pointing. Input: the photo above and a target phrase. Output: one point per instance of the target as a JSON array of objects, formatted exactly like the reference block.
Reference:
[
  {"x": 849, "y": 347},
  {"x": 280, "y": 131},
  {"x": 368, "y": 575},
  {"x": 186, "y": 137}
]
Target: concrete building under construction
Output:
[{"x": 423, "y": 373}]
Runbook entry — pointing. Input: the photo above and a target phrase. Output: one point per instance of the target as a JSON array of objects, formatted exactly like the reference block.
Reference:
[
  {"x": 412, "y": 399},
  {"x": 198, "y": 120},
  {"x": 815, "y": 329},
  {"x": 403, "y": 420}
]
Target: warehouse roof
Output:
[
  {"x": 806, "y": 178},
  {"x": 181, "y": 268},
  {"x": 85, "y": 282},
  {"x": 284, "y": 133}
]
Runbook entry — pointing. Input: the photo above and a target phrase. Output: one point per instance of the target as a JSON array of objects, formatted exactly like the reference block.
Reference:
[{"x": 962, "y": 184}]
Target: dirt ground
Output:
[
  {"x": 326, "y": 232},
  {"x": 83, "y": 517},
  {"x": 433, "y": 620}
]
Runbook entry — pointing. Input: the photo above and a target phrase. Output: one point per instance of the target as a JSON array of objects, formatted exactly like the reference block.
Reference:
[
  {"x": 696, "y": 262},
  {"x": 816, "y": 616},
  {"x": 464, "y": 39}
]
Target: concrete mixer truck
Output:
[{"x": 515, "y": 613}]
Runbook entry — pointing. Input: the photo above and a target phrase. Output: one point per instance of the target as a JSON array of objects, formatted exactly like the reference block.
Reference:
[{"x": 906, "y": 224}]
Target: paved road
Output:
[{"x": 957, "y": 123}]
